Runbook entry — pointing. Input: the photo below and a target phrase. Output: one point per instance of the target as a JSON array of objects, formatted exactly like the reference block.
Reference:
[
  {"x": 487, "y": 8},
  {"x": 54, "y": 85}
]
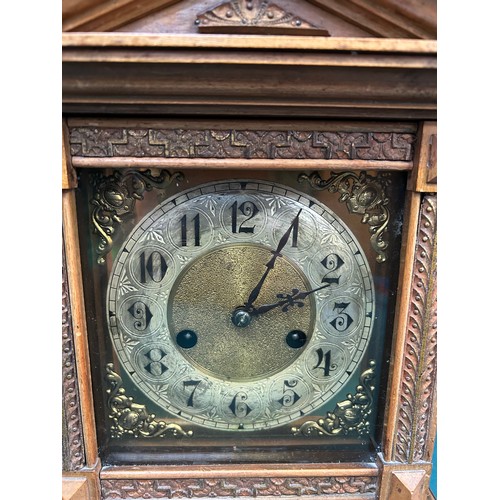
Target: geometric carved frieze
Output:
[
  {"x": 418, "y": 382},
  {"x": 107, "y": 142},
  {"x": 360, "y": 487},
  {"x": 73, "y": 451}
]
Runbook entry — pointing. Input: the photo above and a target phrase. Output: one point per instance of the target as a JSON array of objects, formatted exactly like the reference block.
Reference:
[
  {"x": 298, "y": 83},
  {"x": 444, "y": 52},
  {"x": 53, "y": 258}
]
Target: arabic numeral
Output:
[
  {"x": 295, "y": 232},
  {"x": 191, "y": 384},
  {"x": 333, "y": 263},
  {"x": 196, "y": 230},
  {"x": 342, "y": 320},
  {"x": 290, "y": 397},
  {"x": 249, "y": 210},
  {"x": 239, "y": 407},
  {"x": 142, "y": 315},
  {"x": 324, "y": 361},
  {"x": 152, "y": 268}
]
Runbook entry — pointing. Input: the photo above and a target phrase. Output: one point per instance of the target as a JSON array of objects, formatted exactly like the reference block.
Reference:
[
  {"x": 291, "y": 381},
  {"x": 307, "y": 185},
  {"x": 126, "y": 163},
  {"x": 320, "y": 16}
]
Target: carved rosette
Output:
[
  {"x": 334, "y": 487},
  {"x": 350, "y": 415},
  {"x": 114, "y": 199},
  {"x": 107, "y": 142},
  {"x": 73, "y": 452},
  {"x": 364, "y": 195},
  {"x": 419, "y": 374},
  {"x": 132, "y": 419}
]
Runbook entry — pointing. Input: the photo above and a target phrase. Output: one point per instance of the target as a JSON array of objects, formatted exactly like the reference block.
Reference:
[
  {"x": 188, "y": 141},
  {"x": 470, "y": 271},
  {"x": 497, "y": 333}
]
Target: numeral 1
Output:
[
  {"x": 184, "y": 230},
  {"x": 295, "y": 232}
]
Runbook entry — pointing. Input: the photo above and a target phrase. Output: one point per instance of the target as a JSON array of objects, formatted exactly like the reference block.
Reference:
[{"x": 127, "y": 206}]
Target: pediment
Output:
[{"x": 334, "y": 18}]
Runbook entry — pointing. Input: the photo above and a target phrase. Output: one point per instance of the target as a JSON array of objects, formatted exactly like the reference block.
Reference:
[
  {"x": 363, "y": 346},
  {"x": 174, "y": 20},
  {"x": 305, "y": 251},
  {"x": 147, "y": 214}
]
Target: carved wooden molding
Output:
[
  {"x": 404, "y": 481},
  {"x": 73, "y": 451},
  {"x": 424, "y": 177},
  {"x": 365, "y": 487},
  {"x": 108, "y": 142},
  {"x": 418, "y": 381},
  {"x": 254, "y": 17},
  {"x": 82, "y": 485}
]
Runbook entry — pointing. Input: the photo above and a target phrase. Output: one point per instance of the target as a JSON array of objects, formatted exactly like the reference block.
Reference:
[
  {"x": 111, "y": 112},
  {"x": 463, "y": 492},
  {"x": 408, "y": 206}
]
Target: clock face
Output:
[{"x": 240, "y": 305}]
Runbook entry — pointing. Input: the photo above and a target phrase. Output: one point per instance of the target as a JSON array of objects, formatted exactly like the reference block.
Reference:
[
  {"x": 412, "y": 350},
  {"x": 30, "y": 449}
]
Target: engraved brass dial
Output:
[{"x": 240, "y": 305}]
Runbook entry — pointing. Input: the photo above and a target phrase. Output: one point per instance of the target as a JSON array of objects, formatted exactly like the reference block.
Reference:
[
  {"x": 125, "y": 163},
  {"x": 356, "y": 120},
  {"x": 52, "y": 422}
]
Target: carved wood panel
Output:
[
  {"x": 106, "y": 142},
  {"x": 73, "y": 451},
  {"x": 418, "y": 382},
  {"x": 365, "y": 487}
]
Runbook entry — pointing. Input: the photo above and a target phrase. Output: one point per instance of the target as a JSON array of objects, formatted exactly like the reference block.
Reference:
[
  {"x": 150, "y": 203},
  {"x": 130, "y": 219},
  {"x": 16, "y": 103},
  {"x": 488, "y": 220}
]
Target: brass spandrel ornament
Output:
[
  {"x": 349, "y": 416},
  {"x": 364, "y": 195},
  {"x": 115, "y": 197},
  {"x": 132, "y": 419}
]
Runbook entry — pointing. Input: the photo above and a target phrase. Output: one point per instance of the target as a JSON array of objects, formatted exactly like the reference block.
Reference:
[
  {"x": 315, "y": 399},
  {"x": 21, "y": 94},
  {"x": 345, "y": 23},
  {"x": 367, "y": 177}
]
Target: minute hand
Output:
[
  {"x": 291, "y": 300},
  {"x": 270, "y": 265}
]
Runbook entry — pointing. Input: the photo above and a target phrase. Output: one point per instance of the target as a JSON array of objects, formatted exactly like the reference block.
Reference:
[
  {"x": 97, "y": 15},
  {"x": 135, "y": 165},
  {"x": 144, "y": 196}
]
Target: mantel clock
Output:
[{"x": 249, "y": 252}]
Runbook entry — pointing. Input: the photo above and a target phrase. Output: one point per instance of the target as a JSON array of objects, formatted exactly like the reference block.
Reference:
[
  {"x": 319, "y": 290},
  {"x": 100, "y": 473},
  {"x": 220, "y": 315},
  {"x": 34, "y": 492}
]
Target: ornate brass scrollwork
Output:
[
  {"x": 115, "y": 198},
  {"x": 364, "y": 195},
  {"x": 132, "y": 419},
  {"x": 350, "y": 415}
]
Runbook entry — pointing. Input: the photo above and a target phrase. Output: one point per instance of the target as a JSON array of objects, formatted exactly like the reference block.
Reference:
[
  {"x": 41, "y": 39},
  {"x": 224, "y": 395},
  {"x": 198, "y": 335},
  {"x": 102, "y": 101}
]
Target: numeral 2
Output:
[{"x": 333, "y": 263}]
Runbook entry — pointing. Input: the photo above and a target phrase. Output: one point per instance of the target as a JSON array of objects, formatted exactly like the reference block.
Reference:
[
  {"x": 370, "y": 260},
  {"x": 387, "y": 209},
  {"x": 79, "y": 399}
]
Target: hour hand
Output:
[{"x": 288, "y": 300}]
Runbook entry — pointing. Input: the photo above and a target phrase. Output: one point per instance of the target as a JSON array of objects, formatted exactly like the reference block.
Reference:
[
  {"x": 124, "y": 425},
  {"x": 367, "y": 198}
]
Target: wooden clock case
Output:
[{"x": 369, "y": 81}]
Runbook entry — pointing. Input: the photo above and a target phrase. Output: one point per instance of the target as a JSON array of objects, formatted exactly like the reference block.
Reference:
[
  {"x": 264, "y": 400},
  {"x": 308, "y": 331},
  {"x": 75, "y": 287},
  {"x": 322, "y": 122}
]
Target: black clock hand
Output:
[
  {"x": 295, "y": 299},
  {"x": 270, "y": 265}
]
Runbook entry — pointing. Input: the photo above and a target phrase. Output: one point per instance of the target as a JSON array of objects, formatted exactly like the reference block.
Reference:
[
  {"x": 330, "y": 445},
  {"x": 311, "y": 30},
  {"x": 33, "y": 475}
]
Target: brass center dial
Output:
[{"x": 207, "y": 294}]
